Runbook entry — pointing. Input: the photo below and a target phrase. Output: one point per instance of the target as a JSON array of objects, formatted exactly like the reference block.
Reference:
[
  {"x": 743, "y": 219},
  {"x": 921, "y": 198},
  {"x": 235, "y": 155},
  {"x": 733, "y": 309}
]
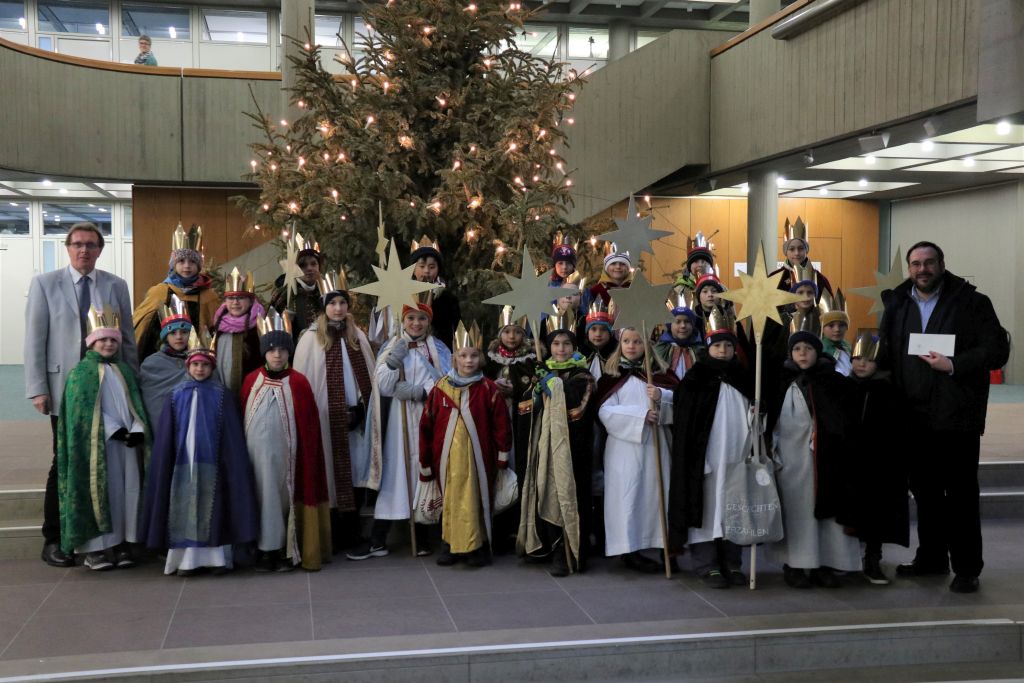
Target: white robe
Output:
[
  {"x": 844, "y": 364},
  {"x": 809, "y": 542},
  {"x": 631, "y": 511},
  {"x": 393, "y": 498},
  {"x": 725, "y": 446},
  {"x": 270, "y": 435}
]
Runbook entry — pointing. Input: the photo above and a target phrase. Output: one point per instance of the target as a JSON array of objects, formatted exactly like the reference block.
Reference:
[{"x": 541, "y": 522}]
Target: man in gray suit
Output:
[{"x": 55, "y": 331}]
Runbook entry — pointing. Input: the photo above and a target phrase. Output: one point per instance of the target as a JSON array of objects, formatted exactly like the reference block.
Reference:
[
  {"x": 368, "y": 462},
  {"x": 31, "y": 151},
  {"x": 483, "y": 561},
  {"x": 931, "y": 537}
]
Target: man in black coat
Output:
[{"x": 945, "y": 401}]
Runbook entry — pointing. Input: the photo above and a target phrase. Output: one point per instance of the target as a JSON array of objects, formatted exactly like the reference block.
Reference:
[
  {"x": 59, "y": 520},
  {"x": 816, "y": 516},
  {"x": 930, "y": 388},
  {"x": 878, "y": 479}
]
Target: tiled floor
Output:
[{"x": 59, "y": 612}]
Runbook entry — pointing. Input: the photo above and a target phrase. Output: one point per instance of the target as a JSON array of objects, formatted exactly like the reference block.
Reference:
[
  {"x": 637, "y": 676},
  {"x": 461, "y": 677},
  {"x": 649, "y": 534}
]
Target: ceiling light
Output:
[
  {"x": 932, "y": 125},
  {"x": 873, "y": 143},
  {"x": 869, "y": 159},
  {"x": 93, "y": 205},
  {"x": 63, "y": 190},
  {"x": 173, "y": 32},
  {"x": 1003, "y": 128},
  {"x": 14, "y": 203},
  {"x": 746, "y": 188},
  {"x": 823, "y": 190},
  {"x": 863, "y": 182},
  {"x": 927, "y": 145},
  {"x": 47, "y": 182},
  {"x": 103, "y": 210},
  {"x": 779, "y": 181},
  {"x": 969, "y": 161}
]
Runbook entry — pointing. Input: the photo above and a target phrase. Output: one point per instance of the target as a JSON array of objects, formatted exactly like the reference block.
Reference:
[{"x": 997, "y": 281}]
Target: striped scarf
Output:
[{"x": 337, "y": 407}]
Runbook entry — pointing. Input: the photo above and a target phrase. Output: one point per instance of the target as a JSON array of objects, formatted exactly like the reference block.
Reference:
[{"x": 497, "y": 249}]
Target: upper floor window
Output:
[
  {"x": 648, "y": 36},
  {"x": 231, "y": 26},
  {"x": 588, "y": 43},
  {"x": 155, "y": 21},
  {"x": 328, "y": 28},
  {"x": 14, "y": 217},
  {"x": 74, "y": 16},
  {"x": 539, "y": 39},
  {"x": 12, "y": 15},
  {"x": 59, "y": 217}
]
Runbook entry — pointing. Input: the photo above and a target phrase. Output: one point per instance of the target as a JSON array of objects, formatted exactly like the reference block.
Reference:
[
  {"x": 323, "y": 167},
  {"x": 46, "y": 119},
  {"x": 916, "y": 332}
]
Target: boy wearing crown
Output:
[
  {"x": 835, "y": 321},
  {"x": 282, "y": 432},
  {"x": 102, "y": 445},
  {"x": 710, "y": 428},
  {"x": 617, "y": 273},
  {"x": 426, "y": 255},
  {"x": 199, "y": 488},
  {"x": 304, "y": 302},
  {"x": 795, "y": 247},
  {"x": 185, "y": 280},
  {"x": 236, "y": 340},
  {"x": 165, "y": 369},
  {"x": 465, "y": 438},
  {"x": 680, "y": 345},
  {"x": 336, "y": 357},
  {"x": 557, "y": 481}
]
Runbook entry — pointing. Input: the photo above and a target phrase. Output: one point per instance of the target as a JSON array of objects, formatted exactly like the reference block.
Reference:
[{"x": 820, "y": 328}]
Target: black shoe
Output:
[
  {"x": 916, "y": 568},
  {"x": 795, "y": 578},
  {"x": 642, "y": 563},
  {"x": 284, "y": 565},
  {"x": 447, "y": 558},
  {"x": 964, "y": 584},
  {"x": 559, "y": 564},
  {"x": 825, "y": 577},
  {"x": 220, "y": 571},
  {"x": 366, "y": 551},
  {"x": 423, "y": 549},
  {"x": 99, "y": 561},
  {"x": 185, "y": 573},
  {"x": 479, "y": 557},
  {"x": 715, "y": 579},
  {"x": 736, "y": 578},
  {"x": 267, "y": 562},
  {"x": 55, "y": 557},
  {"x": 873, "y": 572},
  {"x": 123, "y": 557}
]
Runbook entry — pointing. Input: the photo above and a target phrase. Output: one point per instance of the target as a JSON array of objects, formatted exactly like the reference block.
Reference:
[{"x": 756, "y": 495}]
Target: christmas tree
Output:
[{"x": 444, "y": 121}]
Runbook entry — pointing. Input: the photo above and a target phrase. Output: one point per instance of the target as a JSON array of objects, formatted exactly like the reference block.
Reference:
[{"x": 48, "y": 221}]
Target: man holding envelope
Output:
[{"x": 941, "y": 338}]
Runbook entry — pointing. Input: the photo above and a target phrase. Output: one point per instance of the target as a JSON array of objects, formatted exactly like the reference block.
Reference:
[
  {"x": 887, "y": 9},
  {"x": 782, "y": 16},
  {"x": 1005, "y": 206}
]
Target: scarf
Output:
[
  {"x": 461, "y": 382},
  {"x": 667, "y": 337},
  {"x": 626, "y": 364},
  {"x": 337, "y": 408},
  {"x": 831, "y": 348},
  {"x": 576, "y": 361},
  {"x": 225, "y": 322},
  {"x": 279, "y": 373},
  {"x": 188, "y": 285},
  {"x": 166, "y": 348}
]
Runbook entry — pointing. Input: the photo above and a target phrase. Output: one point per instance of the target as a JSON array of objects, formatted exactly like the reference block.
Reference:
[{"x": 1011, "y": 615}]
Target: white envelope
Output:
[{"x": 923, "y": 344}]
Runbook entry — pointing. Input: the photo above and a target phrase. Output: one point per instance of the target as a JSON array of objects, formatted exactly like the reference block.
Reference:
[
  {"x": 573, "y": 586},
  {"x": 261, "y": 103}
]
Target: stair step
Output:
[
  {"x": 1007, "y": 502},
  {"x": 20, "y": 540},
  {"x": 21, "y": 504},
  {"x": 1008, "y": 473}
]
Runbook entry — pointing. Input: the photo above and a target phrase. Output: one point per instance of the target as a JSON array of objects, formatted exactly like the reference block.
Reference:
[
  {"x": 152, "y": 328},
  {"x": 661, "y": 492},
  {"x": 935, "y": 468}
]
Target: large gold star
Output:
[
  {"x": 530, "y": 294},
  {"x": 634, "y": 235},
  {"x": 759, "y": 297},
  {"x": 883, "y": 282},
  {"x": 395, "y": 285},
  {"x": 639, "y": 304},
  {"x": 291, "y": 269}
]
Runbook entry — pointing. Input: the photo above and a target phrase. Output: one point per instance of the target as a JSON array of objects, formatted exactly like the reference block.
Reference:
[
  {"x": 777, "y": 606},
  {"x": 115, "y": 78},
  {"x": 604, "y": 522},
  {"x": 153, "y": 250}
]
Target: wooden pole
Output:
[
  {"x": 657, "y": 455},
  {"x": 409, "y": 481},
  {"x": 755, "y": 424}
]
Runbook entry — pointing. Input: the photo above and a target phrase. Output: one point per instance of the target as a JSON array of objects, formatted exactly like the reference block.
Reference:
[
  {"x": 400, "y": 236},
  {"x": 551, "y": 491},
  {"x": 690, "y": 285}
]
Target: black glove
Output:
[
  {"x": 120, "y": 435},
  {"x": 135, "y": 439},
  {"x": 356, "y": 415}
]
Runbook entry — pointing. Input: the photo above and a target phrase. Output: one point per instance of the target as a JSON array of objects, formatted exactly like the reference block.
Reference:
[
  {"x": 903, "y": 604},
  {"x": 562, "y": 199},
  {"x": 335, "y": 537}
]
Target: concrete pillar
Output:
[
  {"x": 296, "y": 20},
  {"x": 619, "y": 38},
  {"x": 762, "y": 217},
  {"x": 762, "y": 9}
]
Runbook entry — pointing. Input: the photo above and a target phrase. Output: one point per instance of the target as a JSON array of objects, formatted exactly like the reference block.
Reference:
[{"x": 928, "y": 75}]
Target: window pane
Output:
[
  {"x": 12, "y": 15},
  {"x": 58, "y": 218},
  {"x": 327, "y": 30},
  {"x": 128, "y": 225},
  {"x": 234, "y": 27},
  {"x": 14, "y": 218},
  {"x": 648, "y": 36},
  {"x": 361, "y": 31},
  {"x": 74, "y": 16},
  {"x": 588, "y": 43},
  {"x": 167, "y": 23},
  {"x": 538, "y": 39}
]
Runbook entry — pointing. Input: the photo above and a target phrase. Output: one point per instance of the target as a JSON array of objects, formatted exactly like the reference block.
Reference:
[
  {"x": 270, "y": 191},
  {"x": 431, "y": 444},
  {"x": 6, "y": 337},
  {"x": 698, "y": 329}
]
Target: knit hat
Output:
[
  {"x": 306, "y": 248},
  {"x": 805, "y": 326},
  {"x": 617, "y": 257},
  {"x": 424, "y": 304},
  {"x": 708, "y": 280},
  {"x": 808, "y": 337},
  {"x": 275, "y": 332},
  {"x": 425, "y": 247},
  {"x": 187, "y": 246},
  {"x": 598, "y": 314},
  {"x": 277, "y": 339},
  {"x": 682, "y": 303},
  {"x": 699, "y": 247},
  {"x": 560, "y": 323},
  {"x": 173, "y": 316}
]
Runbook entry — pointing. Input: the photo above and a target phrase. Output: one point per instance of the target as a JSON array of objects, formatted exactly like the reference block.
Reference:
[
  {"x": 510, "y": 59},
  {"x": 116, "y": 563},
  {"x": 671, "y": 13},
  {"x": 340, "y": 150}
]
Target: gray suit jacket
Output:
[{"x": 53, "y": 337}]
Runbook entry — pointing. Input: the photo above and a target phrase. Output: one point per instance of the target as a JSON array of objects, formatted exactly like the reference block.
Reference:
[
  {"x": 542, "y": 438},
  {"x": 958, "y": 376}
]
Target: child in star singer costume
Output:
[
  {"x": 199, "y": 488},
  {"x": 465, "y": 438},
  {"x": 710, "y": 427},
  {"x": 164, "y": 370},
  {"x": 282, "y": 430},
  {"x": 236, "y": 341},
  {"x": 680, "y": 345},
  {"x": 336, "y": 357},
  {"x": 407, "y": 369},
  {"x": 597, "y": 345},
  {"x": 631, "y": 514},
  {"x": 102, "y": 446},
  {"x": 835, "y": 321}
]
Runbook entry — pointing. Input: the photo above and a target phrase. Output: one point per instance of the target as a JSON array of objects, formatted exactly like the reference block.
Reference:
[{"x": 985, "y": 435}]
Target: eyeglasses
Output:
[{"x": 79, "y": 246}]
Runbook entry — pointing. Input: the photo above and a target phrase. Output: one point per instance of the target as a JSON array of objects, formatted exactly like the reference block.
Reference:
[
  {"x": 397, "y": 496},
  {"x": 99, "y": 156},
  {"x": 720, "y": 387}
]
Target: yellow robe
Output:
[{"x": 462, "y": 521}]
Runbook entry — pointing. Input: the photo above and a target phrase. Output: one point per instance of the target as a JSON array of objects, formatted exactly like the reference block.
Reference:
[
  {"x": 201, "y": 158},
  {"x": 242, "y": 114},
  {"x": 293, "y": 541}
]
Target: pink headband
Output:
[{"x": 102, "y": 333}]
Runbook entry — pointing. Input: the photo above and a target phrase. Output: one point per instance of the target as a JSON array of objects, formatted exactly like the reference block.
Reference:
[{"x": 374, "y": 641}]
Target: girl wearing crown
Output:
[
  {"x": 557, "y": 481},
  {"x": 631, "y": 511},
  {"x": 465, "y": 438},
  {"x": 164, "y": 370},
  {"x": 102, "y": 443},
  {"x": 335, "y": 356},
  {"x": 680, "y": 345},
  {"x": 282, "y": 431},
  {"x": 304, "y": 303},
  {"x": 407, "y": 368},
  {"x": 199, "y": 487},
  {"x": 234, "y": 327},
  {"x": 563, "y": 260},
  {"x": 185, "y": 280},
  {"x": 796, "y": 246}
]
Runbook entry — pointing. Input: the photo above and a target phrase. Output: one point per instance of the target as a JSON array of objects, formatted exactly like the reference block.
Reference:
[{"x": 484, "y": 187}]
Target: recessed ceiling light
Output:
[
  {"x": 47, "y": 182},
  {"x": 823, "y": 190},
  {"x": 746, "y": 188},
  {"x": 927, "y": 145},
  {"x": 1003, "y": 128},
  {"x": 969, "y": 161},
  {"x": 780, "y": 180},
  {"x": 863, "y": 182},
  {"x": 103, "y": 210},
  {"x": 869, "y": 159},
  {"x": 14, "y": 203}
]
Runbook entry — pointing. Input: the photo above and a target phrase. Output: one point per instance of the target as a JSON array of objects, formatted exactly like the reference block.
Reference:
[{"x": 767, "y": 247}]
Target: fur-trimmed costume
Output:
[
  {"x": 200, "y": 298},
  {"x": 237, "y": 344}
]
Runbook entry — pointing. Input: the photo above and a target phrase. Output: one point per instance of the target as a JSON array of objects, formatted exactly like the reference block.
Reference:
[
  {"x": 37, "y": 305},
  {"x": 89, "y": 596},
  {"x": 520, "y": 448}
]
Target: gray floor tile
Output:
[
  {"x": 55, "y": 635},
  {"x": 341, "y": 583},
  {"x": 20, "y": 572},
  {"x": 380, "y": 616},
  {"x": 22, "y": 601},
  {"x": 489, "y": 611},
  {"x": 507, "y": 574},
  {"x": 654, "y": 602},
  {"x": 148, "y": 567},
  {"x": 239, "y": 624},
  {"x": 246, "y": 588},
  {"x": 100, "y": 598},
  {"x": 772, "y": 596}
]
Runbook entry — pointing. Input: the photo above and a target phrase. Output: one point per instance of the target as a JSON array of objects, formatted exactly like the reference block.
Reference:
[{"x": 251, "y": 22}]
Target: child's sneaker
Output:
[
  {"x": 98, "y": 561},
  {"x": 366, "y": 550},
  {"x": 873, "y": 572}
]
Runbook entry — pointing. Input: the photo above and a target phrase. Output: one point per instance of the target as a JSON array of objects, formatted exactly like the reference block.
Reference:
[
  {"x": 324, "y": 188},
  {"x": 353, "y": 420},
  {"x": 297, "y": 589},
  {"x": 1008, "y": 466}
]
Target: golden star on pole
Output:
[
  {"x": 530, "y": 294},
  {"x": 634, "y": 235},
  {"x": 883, "y": 282},
  {"x": 759, "y": 297},
  {"x": 639, "y": 304},
  {"x": 291, "y": 269},
  {"x": 395, "y": 285}
]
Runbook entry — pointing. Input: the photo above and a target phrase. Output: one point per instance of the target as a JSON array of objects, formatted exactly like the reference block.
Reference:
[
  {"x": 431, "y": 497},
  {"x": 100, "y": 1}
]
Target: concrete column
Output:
[
  {"x": 619, "y": 38},
  {"x": 762, "y": 9},
  {"x": 296, "y": 20},
  {"x": 762, "y": 217}
]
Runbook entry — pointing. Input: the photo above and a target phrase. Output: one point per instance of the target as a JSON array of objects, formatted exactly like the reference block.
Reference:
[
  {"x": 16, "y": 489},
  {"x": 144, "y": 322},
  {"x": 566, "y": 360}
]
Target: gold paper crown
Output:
[
  {"x": 274, "y": 322},
  {"x": 833, "y": 309},
  {"x": 175, "y": 309},
  {"x": 804, "y": 273},
  {"x": 610, "y": 248},
  {"x": 599, "y": 310},
  {"x": 193, "y": 239},
  {"x": 334, "y": 281},
  {"x": 576, "y": 280},
  {"x": 720, "y": 320},
  {"x": 805, "y": 321},
  {"x": 102, "y": 319},
  {"x": 302, "y": 244},
  {"x": 796, "y": 231},
  {"x": 505, "y": 318},
  {"x": 237, "y": 283},
  {"x": 563, "y": 239},
  {"x": 699, "y": 241},
  {"x": 199, "y": 343},
  {"x": 471, "y": 338},
  {"x": 425, "y": 242},
  {"x": 866, "y": 346},
  {"x": 681, "y": 297},
  {"x": 560, "y": 321}
]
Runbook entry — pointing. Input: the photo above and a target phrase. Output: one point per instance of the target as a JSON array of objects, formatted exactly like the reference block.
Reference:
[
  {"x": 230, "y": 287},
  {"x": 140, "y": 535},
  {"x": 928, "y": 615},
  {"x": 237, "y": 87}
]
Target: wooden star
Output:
[
  {"x": 382, "y": 241},
  {"x": 395, "y": 285},
  {"x": 530, "y": 294},
  {"x": 634, "y": 234},
  {"x": 883, "y": 282},
  {"x": 291, "y": 269},
  {"x": 759, "y": 297},
  {"x": 641, "y": 304}
]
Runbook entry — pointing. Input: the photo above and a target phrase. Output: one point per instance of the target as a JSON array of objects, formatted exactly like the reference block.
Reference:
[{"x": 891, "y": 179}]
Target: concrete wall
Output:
[{"x": 982, "y": 234}]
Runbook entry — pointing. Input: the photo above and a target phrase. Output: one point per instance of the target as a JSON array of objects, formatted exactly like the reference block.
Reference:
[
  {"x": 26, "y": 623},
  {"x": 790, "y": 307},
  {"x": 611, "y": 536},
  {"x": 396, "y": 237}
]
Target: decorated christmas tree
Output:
[{"x": 442, "y": 119}]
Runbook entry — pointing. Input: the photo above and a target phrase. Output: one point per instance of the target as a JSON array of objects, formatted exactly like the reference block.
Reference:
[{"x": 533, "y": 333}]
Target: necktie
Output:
[{"x": 84, "y": 304}]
